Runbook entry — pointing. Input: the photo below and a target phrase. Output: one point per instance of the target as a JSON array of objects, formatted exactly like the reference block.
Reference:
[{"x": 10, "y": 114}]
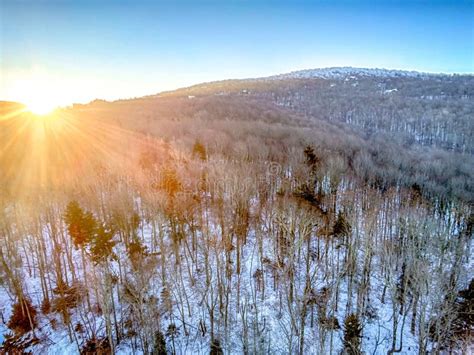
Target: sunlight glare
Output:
[
  {"x": 39, "y": 92},
  {"x": 40, "y": 106}
]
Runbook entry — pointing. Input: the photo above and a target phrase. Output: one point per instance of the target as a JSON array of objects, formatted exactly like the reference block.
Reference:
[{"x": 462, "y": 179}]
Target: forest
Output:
[{"x": 263, "y": 216}]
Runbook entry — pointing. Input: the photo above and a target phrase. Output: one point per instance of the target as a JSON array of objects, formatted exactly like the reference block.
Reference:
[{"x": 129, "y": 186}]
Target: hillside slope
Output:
[{"x": 241, "y": 216}]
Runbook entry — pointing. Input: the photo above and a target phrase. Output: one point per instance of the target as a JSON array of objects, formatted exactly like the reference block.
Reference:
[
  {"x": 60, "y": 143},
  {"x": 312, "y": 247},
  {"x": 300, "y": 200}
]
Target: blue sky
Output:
[{"x": 81, "y": 50}]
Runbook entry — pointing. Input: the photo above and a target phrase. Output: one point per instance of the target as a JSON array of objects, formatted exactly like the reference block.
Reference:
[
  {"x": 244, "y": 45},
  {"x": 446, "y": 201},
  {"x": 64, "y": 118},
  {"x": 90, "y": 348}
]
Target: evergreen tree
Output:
[
  {"x": 352, "y": 335},
  {"x": 169, "y": 181},
  {"x": 312, "y": 160},
  {"x": 216, "y": 348},
  {"x": 81, "y": 225},
  {"x": 102, "y": 244},
  {"x": 463, "y": 326},
  {"x": 160, "y": 344},
  {"x": 199, "y": 151},
  {"x": 135, "y": 221},
  {"x": 341, "y": 227},
  {"x": 136, "y": 252},
  {"x": 23, "y": 317}
]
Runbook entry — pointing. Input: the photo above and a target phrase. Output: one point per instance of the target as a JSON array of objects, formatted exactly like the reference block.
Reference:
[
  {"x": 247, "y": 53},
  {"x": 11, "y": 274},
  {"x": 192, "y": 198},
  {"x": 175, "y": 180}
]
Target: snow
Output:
[
  {"x": 267, "y": 316},
  {"x": 351, "y": 73}
]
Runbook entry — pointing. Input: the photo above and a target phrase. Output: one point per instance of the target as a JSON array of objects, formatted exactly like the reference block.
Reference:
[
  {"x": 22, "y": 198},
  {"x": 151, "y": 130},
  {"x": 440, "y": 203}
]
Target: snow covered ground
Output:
[{"x": 260, "y": 318}]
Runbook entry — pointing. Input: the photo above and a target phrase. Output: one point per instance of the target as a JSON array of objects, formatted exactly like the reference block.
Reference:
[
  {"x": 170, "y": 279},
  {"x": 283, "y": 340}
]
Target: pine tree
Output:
[
  {"x": 81, "y": 225},
  {"x": 216, "y": 348},
  {"x": 312, "y": 160},
  {"x": 136, "y": 252},
  {"x": 352, "y": 335},
  {"x": 23, "y": 317},
  {"x": 102, "y": 244},
  {"x": 199, "y": 150},
  {"x": 341, "y": 227},
  {"x": 160, "y": 344},
  {"x": 463, "y": 326},
  {"x": 169, "y": 181},
  {"x": 135, "y": 221},
  {"x": 136, "y": 249}
]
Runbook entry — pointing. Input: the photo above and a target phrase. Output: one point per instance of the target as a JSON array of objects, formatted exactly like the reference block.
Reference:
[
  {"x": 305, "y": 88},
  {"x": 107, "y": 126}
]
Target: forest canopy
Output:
[{"x": 285, "y": 215}]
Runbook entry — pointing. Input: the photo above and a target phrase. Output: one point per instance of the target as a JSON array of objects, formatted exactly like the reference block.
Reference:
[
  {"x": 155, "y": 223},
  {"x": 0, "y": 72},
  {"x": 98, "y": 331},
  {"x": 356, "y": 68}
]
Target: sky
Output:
[{"x": 76, "y": 51}]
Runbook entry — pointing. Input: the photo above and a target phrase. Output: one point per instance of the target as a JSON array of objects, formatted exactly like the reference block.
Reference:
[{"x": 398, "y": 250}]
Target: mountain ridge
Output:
[
  {"x": 328, "y": 73},
  {"x": 342, "y": 72}
]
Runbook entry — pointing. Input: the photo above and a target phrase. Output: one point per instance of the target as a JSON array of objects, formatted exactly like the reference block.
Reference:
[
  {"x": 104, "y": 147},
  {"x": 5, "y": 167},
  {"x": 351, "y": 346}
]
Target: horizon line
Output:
[{"x": 274, "y": 76}]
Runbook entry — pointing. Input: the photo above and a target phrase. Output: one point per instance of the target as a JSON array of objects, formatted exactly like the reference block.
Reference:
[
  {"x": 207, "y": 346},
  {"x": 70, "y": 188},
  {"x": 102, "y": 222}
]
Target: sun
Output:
[
  {"x": 40, "y": 92},
  {"x": 40, "y": 107}
]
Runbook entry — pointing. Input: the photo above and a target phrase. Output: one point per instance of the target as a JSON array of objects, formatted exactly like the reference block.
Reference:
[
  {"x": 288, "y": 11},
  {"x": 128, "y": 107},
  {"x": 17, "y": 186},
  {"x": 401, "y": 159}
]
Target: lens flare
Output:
[{"x": 40, "y": 107}]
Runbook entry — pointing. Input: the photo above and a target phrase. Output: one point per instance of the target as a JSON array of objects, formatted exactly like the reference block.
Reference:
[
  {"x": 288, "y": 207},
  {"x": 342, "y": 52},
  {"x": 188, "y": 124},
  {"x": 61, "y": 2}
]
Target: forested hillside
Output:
[
  {"x": 415, "y": 108},
  {"x": 310, "y": 214}
]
